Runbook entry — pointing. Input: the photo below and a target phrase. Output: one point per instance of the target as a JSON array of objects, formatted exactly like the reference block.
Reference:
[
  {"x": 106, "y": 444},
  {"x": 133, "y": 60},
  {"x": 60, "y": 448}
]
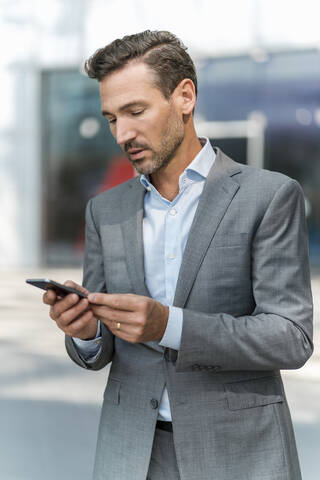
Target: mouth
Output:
[{"x": 136, "y": 153}]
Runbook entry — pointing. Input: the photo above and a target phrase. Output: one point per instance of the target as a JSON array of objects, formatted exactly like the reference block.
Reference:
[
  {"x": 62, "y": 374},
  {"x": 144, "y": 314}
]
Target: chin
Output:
[{"x": 145, "y": 169}]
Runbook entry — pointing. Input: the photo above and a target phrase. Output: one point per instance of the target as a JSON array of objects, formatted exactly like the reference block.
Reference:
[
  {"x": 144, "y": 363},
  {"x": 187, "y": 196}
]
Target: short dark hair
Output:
[{"x": 162, "y": 51}]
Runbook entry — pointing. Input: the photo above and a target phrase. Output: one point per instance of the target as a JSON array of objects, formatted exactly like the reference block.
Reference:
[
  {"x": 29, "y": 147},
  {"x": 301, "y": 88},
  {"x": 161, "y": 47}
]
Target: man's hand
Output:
[
  {"x": 73, "y": 317},
  {"x": 133, "y": 318}
]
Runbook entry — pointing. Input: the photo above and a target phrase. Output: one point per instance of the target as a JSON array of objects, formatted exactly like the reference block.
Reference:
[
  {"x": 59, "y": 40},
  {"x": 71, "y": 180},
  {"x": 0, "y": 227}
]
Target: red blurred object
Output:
[{"x": 118, "y": 172}]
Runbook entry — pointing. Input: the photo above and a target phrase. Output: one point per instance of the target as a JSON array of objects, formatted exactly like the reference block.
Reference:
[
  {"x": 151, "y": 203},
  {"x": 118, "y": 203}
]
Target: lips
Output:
[{"x": 136, "y": 153}]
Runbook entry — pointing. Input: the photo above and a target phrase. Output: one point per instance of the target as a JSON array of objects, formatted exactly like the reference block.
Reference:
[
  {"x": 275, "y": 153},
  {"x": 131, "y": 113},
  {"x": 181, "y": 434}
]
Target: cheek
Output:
[
  {"x": 154, "y": 127},
  {"x": 151, "y": 130}
]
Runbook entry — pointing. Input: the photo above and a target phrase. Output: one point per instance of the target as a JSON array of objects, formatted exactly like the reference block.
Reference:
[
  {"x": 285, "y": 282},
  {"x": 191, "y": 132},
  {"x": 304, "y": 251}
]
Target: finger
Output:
[
  {"x": 119, "y": 301},
  {"x": 76, "y": 286},
  {"x": 118, "y": 329},
  {"x": 68, "y": 316},
  {"x": 121, "y": 325},
  {"x": 80, "y": 325},
  {"x": 49, "y": 297},
  {"x": 125, "y": 332},
  {"x": 113, "y": 315},
  {"x": 65, "y": 304}
]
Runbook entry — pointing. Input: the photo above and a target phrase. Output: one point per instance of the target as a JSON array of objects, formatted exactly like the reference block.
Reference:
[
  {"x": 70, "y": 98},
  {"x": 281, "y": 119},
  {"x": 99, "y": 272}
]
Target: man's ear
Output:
[{"x": 186, "y": 96}]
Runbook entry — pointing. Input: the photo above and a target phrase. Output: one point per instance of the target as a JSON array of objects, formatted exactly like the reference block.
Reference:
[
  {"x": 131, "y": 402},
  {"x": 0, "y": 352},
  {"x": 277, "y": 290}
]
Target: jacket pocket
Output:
[
  {"x": 230, "y": 239},
  {"x": 112, "y": 391},
  {"x": 253, "y": 393}
]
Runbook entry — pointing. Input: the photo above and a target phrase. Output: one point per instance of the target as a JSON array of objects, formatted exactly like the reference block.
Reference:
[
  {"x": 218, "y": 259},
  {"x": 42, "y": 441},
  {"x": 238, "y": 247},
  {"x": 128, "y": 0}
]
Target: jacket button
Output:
[{"x": 154, "y": 403}]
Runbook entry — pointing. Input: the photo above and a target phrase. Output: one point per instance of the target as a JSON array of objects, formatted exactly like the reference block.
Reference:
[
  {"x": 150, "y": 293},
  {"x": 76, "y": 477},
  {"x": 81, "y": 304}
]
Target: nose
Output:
[{"x": 124, "y": 132}]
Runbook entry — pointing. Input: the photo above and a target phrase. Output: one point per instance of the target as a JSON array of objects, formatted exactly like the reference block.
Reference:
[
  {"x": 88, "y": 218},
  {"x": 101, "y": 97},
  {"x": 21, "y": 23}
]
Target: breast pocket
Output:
[
  {"x": 228, "y": 259},
  {"x": 230, "y": 240}
]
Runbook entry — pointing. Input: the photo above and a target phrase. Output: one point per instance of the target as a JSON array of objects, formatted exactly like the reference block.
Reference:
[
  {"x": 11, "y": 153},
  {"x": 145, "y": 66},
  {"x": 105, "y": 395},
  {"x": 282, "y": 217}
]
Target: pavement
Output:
[{"x": 49, "y": 407}]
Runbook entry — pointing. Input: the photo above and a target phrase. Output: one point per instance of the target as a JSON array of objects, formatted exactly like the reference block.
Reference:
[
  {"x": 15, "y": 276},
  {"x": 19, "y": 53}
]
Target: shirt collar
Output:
[{"x": 201, "y": 164}]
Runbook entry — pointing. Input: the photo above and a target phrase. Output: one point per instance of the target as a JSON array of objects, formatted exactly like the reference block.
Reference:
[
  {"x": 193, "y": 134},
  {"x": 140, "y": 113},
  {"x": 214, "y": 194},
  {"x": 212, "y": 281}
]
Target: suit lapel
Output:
[
  {"x": 215, "y": 199},
  {"x": 132, "y": 213}
]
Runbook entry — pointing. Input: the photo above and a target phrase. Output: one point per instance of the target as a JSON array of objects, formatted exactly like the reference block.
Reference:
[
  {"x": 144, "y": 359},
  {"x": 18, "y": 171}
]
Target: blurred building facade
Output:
[{"x": 259, "y": 100}]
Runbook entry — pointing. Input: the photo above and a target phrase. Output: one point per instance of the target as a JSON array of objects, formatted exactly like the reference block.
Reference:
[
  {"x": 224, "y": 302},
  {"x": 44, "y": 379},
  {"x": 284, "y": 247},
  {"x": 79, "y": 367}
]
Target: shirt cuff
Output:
[
  {"x": 89, "y": 349},
  {"x": 172, "y": 334}
]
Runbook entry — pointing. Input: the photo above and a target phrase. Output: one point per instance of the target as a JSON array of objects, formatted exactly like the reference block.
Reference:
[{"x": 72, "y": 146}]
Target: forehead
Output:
[{"x": 134, "y": 82}]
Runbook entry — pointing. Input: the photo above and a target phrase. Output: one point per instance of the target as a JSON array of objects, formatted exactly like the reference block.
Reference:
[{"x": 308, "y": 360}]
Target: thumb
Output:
[{"x": 70, "y": 283}]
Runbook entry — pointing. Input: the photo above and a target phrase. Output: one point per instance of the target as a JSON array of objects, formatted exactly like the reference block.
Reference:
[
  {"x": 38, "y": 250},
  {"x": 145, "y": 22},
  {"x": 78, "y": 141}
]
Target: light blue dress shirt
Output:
[{"x": 166, "y": 227}]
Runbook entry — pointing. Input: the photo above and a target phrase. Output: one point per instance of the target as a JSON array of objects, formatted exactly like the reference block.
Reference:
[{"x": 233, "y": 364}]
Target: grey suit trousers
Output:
[{"x": 163, "y": 462}]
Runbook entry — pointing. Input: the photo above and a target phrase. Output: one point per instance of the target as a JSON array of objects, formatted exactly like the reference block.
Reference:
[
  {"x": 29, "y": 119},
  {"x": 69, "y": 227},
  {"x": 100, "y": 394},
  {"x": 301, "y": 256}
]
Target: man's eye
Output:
[
  {"x": 111, "y": 120},
  {"x": 137, "y": 112}
]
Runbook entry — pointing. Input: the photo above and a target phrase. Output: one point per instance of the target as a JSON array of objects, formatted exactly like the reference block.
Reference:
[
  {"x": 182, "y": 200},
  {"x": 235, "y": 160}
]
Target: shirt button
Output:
[
  {"x": 154, "y": 403},
  {"x": 173, "y": 211},
  {"x": 148, "y": 188},
  {"x": 171, "y": 256}
]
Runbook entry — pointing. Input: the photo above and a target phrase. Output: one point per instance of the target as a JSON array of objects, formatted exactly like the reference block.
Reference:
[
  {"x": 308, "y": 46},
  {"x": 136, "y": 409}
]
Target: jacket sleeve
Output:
[
  {"x": 278, "y": 333},
  {"x": 93, "y": 280}
]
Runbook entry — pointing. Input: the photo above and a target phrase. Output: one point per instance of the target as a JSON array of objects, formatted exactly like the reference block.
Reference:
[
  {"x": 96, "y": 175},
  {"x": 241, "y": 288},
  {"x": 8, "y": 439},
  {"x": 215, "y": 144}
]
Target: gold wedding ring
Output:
[{"x": 118, "y": 325}]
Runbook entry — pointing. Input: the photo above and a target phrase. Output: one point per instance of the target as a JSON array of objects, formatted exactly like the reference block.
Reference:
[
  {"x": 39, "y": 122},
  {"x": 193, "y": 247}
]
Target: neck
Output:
[{"x": 166, "y": 180}]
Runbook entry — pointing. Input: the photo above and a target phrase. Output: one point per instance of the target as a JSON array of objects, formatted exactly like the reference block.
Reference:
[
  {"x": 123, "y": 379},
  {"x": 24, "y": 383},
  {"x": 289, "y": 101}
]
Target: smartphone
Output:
[{"x": 60, "y": 290}]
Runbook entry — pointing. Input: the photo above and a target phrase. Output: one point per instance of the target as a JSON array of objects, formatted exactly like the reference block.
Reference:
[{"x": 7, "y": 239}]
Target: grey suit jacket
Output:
[{"x": 244, "y": 287}]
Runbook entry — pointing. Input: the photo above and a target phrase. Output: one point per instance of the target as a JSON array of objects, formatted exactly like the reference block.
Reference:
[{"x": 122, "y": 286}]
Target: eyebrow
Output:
[{"x": 125, "y": 107}]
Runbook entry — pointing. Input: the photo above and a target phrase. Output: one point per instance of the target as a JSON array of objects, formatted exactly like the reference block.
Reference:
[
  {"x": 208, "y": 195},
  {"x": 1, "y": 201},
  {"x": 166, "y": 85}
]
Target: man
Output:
[{"x": 200, "y": 287}]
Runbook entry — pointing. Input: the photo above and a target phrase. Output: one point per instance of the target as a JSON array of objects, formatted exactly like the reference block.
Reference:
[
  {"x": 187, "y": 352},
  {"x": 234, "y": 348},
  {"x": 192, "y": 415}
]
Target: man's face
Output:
[{"x": 144, "y": 123}]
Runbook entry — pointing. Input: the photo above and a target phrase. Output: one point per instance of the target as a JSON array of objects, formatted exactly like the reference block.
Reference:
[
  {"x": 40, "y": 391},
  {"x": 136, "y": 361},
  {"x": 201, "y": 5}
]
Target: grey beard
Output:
[{"x": 162, "y": 158}]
